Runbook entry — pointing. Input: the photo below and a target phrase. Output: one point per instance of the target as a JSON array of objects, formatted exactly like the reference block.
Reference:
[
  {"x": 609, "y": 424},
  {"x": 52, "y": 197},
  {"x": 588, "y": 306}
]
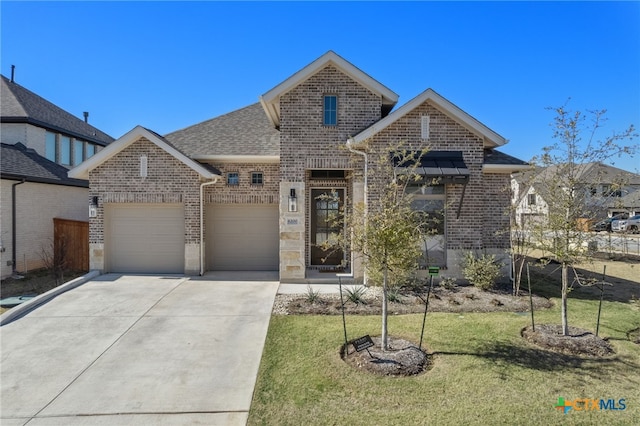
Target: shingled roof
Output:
[
  {"x": 20, "y": 105},
  {"x": 246, "y": 131},
  {"x": 18, "y": 162},
  {"x": 495, "y": 157}
]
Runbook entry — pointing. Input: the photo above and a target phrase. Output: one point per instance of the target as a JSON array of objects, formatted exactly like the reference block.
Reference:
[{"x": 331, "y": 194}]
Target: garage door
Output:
[
  {"x": 144, "y": 238},
  {"x": 243, "y": 237}
]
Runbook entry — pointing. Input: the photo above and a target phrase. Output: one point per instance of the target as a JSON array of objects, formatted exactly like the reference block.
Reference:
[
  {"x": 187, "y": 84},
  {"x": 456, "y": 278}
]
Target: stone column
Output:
[{"x": 292, "y": 229}]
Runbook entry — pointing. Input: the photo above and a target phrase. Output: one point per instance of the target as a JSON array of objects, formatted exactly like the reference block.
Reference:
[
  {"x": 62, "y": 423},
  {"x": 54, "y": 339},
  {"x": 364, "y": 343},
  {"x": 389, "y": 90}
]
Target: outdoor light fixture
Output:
[
  {"x": 293, "y": 201},
  {"x": 93, "y": 207}
]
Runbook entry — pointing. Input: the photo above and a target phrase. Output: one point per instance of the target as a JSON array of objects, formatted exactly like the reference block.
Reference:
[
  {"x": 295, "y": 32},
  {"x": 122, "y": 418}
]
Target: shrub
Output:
[
  {"x": 355, "y": 294},
  {"x": 394, "y": 295},
  {"x": 448, "y": 283},
  {"x": 312, "y": 295},
  {"x": 481, "y": 271}
]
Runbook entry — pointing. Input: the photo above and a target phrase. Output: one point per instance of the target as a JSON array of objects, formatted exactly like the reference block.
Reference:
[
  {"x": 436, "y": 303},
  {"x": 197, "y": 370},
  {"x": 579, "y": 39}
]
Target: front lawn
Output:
[{"x": 483, "y": 372}]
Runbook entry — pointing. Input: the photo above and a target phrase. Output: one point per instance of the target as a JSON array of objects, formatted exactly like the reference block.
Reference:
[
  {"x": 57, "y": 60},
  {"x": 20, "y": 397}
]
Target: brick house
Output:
[
  {"x": 40, "y": 142},
  {"x": 243, "y": 191}
]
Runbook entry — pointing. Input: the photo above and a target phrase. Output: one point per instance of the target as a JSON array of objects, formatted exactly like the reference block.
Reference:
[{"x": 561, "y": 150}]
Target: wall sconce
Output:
[
  {"x": 293, "y": 201},
  {"x": 93, "y": 206}
]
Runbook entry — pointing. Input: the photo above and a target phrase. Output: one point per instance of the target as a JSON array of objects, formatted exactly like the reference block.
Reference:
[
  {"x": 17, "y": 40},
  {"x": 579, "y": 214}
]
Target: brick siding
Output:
[{"x": 118, "y": 180}]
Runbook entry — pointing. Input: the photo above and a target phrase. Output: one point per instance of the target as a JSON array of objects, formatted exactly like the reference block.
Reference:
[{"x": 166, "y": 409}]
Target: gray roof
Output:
[
  {"x": 495, "y": 157},
  {"x": 20, "y": 105},
  {"x": 18, "y": 162},
  {"x": 246, "y": 131},
  {"x": 590, "y": 173}
]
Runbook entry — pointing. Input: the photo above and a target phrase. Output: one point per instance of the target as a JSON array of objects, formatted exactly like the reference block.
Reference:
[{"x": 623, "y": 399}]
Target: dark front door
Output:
[{"x": 325, "y": 207}]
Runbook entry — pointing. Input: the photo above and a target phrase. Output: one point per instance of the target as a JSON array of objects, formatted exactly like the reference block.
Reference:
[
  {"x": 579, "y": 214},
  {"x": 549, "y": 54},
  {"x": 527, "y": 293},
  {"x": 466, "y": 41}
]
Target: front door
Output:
[{"x": 325, "y": 208}]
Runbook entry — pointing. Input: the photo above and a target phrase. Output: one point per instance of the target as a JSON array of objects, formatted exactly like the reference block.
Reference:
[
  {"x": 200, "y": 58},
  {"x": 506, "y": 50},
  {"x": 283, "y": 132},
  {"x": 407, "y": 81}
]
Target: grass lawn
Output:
[{"x": 483, "y": 372}]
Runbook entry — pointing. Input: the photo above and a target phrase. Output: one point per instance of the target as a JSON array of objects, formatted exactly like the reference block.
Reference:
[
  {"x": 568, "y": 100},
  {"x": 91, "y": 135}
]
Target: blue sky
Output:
[{"x": 168, "y": 65}]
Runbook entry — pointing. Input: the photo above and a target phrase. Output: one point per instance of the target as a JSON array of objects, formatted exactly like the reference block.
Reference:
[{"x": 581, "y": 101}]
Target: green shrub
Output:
[
  {"x": 312, "y": 295},
  {"x": 448, "y": 283},
  {"x": 481, "y": 271},
  {"x": 355, "y": 294}
]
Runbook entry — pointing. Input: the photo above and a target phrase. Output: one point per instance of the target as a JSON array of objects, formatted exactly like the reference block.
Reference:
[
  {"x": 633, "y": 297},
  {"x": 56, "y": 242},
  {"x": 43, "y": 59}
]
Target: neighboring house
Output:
[
  {"x": 32, "y": 130},
  {"x": 244, "y": 191},
  {"x": 629, "y": 204},
  {"x": 607, "y": 191}
]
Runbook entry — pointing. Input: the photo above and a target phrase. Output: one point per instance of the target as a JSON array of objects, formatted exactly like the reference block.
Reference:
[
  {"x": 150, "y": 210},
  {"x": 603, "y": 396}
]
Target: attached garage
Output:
[
  {"x": 242, "y": 237},
  {"x": 144, "y": 238}
]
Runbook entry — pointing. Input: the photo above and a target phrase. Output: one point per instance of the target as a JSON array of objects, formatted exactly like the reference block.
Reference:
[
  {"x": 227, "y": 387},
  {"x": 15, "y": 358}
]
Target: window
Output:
[
  {"x": 330, "y": 110},
  {"x": 611, "y": 191},
  {"x": 65, "y": 150},
  {"x": 429, "y": 201},
  {"x": 91, "y": 150},
  {"x": 78, "y": 152},
  {"x": 256, "y": 178},
  {"x": 531, "y": 199},
  {"x": 233, "y": 178},
  {"x": 50, "y": 146}
]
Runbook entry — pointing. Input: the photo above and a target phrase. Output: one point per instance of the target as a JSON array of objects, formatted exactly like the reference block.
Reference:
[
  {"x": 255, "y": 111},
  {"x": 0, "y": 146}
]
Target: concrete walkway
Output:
[{"x": 137, "y": 350}]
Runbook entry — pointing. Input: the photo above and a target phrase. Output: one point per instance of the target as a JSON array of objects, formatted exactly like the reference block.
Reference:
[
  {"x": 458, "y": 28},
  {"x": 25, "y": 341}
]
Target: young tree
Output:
[
  {"x": 388, "y": 234},
  {"x": 569, "y": 163}
]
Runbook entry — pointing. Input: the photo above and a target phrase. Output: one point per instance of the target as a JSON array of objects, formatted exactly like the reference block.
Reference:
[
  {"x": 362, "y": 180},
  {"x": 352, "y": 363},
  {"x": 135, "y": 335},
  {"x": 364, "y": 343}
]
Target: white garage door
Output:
[
  {"x": 144, "y": 238},
  {"x": 242, "y": 237}
]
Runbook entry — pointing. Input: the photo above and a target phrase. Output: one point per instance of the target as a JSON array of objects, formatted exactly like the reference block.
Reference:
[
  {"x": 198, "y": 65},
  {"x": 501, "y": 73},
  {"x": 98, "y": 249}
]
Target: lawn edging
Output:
[{"x": 26, "y": 307}]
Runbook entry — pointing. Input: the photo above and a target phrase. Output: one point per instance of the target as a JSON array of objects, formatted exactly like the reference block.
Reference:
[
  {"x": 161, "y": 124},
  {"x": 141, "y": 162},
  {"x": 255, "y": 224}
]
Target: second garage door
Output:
[
  {"x": 242, "y": 237},
  {"x": 144, "y": 238}
]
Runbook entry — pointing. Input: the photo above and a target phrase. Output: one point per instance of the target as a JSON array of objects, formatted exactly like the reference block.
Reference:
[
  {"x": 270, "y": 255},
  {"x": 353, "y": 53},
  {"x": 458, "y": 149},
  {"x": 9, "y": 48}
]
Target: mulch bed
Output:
[
  {"x": 402, "y": 359},
  {"x": 579, "y": 342},
  {"x": 458, "y": 299}
]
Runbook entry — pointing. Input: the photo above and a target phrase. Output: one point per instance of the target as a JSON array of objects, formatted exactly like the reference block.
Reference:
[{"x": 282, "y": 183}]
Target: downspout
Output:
[
  {"x": 13, "y": 225},
  {"x": 215, "y": 180},
  {"x": 366, "y": 196}
]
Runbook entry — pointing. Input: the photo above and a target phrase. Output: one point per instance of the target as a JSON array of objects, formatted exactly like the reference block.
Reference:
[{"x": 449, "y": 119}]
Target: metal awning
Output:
[{"x": 443, "y": 166}]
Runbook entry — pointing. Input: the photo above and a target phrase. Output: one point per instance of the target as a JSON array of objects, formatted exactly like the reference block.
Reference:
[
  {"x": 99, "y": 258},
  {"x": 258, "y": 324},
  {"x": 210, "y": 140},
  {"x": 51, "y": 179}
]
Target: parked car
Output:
[
  {"x": 606, "y": 224},
  {"x": 627, "y": 225}
]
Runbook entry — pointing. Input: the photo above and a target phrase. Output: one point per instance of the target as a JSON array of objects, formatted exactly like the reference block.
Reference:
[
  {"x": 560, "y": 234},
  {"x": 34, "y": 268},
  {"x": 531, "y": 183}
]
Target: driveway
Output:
[{"x": 160, "y": 350}]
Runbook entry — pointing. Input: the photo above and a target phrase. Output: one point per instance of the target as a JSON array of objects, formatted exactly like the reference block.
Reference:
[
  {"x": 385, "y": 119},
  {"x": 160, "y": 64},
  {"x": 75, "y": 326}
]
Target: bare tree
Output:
[
  {"x": 570, "y": 203},
  {"x": 387, "y": 235}
]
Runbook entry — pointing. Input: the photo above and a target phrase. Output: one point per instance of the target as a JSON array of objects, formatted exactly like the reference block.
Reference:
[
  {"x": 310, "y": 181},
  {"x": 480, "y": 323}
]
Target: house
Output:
[
  {"x": 245, "y": 191},
  {"x": 605, "y": 190},
  {"x": 40, "y": 141}
]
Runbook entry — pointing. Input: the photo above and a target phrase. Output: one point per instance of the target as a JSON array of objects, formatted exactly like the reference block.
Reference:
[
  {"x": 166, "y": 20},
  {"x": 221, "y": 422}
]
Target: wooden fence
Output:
[{"x": 71, "y": 244}]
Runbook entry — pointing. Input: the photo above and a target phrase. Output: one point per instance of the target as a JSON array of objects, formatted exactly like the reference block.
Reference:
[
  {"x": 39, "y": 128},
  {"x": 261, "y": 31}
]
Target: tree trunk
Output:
[
  {"x": 384, "y": 339},
  {"x": 565, "y": 293}
]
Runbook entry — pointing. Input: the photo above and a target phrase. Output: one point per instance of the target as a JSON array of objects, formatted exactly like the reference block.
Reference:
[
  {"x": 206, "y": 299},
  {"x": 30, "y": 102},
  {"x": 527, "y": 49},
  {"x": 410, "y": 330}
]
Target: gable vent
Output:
[
  {"x": 143, "y": 166},
  {"x": 425, "y": 126}
]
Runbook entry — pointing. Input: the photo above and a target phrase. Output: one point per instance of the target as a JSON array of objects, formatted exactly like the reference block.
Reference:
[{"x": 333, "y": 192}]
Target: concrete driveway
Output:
[{"x": 139, "y": 350}]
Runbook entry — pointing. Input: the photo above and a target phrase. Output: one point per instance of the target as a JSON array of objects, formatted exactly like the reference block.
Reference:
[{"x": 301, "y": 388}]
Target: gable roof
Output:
[
  {"x": 271, "y": 100},
  {"x": 18, "y": 162},
  {"x": 20, "y": 105},
  {"x": 82, "y": 170},
  {"x": 244, "y": 132},
  {"x": 491, "y": 138}
]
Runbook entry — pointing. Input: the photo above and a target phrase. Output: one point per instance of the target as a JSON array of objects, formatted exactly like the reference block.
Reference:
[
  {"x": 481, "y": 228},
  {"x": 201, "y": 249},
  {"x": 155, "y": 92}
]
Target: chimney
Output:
[
  {"x": 86, "y": 116},
  {"x": 13, "y": 71}
]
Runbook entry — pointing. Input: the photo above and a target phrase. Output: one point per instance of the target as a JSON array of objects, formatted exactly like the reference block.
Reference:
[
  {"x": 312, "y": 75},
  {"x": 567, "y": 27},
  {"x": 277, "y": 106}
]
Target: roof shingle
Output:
[
  {"x": 20, "y": 105},
  {"x": 18, "y": 162},
  {"x": 246, "y": 131}
]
